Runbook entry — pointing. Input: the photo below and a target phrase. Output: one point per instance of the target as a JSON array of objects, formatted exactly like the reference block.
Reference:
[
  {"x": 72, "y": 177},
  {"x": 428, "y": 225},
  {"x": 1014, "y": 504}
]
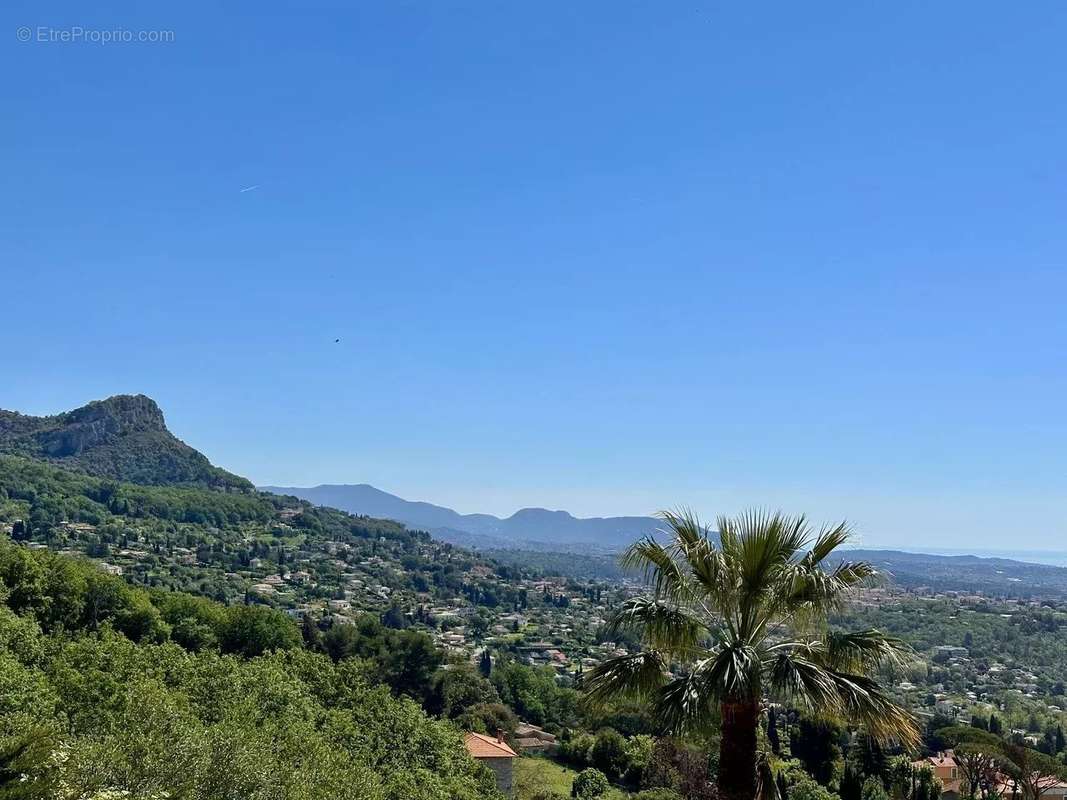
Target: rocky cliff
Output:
[{"x": 123, "y": 437}]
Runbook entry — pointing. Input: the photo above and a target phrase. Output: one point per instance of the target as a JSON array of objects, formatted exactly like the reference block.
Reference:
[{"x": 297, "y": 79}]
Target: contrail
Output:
[{"x": 249, "y": 188}]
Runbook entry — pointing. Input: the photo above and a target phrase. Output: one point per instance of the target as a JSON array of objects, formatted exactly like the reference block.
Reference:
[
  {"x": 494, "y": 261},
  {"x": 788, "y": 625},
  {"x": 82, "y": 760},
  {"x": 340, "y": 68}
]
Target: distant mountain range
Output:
[
  {"x": 965, "y": 573},
  {"x": 123, "y": 438},
  {"x": 568, "y": 545},
  {"x": 536, "y": 528}
]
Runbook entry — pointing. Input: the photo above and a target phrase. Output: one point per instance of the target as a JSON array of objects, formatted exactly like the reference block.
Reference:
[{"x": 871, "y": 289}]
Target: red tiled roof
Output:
[
  {"x": 945, "y": 759},
  {"x": 481, "y": 746}
]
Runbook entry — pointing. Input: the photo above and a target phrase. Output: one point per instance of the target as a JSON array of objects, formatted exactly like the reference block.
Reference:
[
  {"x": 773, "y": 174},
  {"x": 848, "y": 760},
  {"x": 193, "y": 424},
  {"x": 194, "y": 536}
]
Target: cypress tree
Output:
[{"x": 772, "y": 732}]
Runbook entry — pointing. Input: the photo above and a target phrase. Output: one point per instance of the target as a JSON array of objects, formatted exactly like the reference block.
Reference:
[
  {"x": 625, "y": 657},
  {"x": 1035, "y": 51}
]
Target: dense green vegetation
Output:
[
  {"x": 580, "y": 566},
  {"x": 978, "y": 656},
  {"x": 140, "y": 618},
  {"x": 218, "y": 544},
  {"x": 162, "y": 694}
]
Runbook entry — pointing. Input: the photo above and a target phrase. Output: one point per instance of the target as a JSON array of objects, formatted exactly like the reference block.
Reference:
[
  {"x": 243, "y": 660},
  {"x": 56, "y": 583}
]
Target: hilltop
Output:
[
  {"x": 335, "y": 572},
  {"x": 110, "y": 481},
  {"x": 68, "y": 489},
  {"x": 122, "y": 438}
]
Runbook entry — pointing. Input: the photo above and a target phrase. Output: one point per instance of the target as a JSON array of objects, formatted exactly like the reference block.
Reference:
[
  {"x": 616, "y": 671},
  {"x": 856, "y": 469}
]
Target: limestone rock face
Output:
[{"x": 99, "y": 422}]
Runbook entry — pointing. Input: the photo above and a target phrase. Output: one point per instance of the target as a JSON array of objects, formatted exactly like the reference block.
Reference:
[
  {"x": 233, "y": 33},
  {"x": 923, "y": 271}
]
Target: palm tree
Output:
[{"x": 734, "y": 622}]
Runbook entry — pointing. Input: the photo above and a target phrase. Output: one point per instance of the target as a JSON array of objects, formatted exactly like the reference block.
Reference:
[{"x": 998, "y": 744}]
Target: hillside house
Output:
[
  {"x": 495, "y": 753},
  {"x": 945, "y": 770},
  {"x": 533, "y": 740}
]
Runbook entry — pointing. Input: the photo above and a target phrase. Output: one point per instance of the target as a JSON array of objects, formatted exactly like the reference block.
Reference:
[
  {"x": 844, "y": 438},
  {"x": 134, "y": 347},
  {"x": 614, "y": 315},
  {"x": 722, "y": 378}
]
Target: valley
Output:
[{"x": 518, "y": 629}]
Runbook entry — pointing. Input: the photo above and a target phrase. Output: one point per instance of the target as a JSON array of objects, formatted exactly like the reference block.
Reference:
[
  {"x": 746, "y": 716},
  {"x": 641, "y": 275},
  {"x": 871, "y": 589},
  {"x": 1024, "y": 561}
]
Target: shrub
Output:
[
  {"x": 576, "y": 752},
  {"x": 684, "y": 769},
  {"x": 874, "y": 790},
  {"x": 609, "y": 753},
  {"x": 638, "y": 755},
  {"x": 589, "y": 784},
  {"x": 810, "y": 790}
]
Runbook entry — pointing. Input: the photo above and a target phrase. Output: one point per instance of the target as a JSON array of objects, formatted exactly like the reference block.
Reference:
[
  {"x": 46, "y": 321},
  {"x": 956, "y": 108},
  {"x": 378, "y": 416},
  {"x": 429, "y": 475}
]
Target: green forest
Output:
[{"x": 110, "y": 688}]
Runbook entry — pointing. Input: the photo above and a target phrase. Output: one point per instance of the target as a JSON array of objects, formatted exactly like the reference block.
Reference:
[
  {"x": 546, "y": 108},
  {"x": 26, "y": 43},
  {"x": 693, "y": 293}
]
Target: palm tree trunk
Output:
[{"x": 737, "y": 750}]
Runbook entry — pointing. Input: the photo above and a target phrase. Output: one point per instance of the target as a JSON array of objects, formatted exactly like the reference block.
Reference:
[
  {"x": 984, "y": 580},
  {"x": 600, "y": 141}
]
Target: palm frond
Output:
[
  {"x": 840, "y": 695},
  {"x": 687, "y": 703},
  {"x": 764, "y": 558},
  {"x": 665, "y": 628},
  {"x": 632, "y": 676},
  {"x": 733, "y": 671},
  {"x": 716, "y": 581},
  {"x": 796, "y": 679},
  {"x": 864, "y": 702},
  {"x": 659, "y": 568},
  {"x": 767, "y": 543},
  {"x": 850, "y": 574},
  {"x": 862, "y": 651},
  {"x": 684, "y": 526},
  {"x": 828, "y": 540},
  {"x": 812, "y": 592}
]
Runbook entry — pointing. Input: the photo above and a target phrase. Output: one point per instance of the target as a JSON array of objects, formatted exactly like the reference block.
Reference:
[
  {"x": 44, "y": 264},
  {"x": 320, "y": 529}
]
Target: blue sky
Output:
[{"x": 608, "y": 257}]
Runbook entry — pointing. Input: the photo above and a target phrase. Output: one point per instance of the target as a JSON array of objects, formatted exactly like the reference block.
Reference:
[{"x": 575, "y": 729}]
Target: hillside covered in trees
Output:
[
  {"x": 195, "y": 638},
  {"x": 123, "y": 437}
]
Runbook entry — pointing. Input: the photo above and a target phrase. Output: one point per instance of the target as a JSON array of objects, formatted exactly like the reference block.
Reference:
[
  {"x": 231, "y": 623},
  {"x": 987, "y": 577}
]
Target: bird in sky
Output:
[{"x": 335, "y": 341}]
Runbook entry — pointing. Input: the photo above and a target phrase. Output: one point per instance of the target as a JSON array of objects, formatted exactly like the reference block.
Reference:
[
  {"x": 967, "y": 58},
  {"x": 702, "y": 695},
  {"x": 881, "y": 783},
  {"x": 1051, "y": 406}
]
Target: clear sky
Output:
[{"x": 601, "y": 256}]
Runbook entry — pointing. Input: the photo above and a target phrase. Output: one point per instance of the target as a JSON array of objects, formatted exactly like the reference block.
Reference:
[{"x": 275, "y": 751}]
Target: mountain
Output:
[
  {"x": 529, "y": 527},
  {"x": 121, "y": 438}
]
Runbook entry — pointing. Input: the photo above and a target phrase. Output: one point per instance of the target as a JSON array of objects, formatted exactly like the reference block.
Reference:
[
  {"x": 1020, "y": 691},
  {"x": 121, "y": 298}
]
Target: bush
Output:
[
  {"x": 589, "y": 784},
  {"x": 810, "y": 790},
  {"x": 488, "y": 718},
  {"x": 874, "y": 790},
  {"x": 639, "y": 751},
  {"x": 609, "y": 753},
  {"x": 577, "y": 751},
  {"x": 254, "y": 630},
  {"x": 657, "y": 794},
  {"x": 454, "y": 691},
  {"x": 684, "y": 769}
]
